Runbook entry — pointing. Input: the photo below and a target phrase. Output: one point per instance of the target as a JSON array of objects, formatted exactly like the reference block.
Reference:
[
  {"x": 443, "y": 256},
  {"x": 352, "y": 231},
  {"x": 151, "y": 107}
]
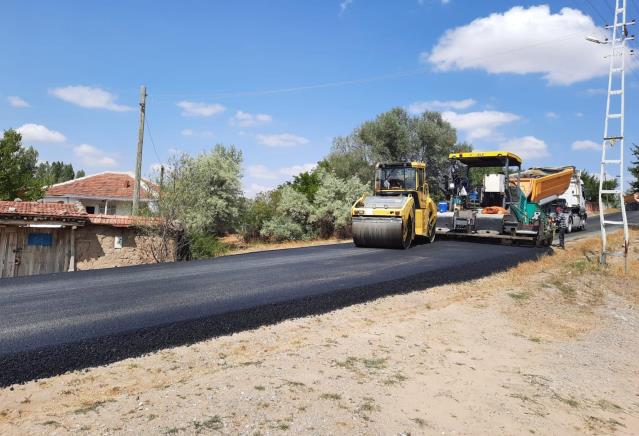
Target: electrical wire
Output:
[
  {"x": 596, "y": 10},
  {"x": 148, "y": 128},
  {"x": 372, "y": 79}
]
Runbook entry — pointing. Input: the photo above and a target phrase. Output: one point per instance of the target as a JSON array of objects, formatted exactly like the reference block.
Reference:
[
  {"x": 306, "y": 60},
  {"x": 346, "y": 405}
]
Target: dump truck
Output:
[
  {"x": 400, "y": 210},
  {"x": 489, "y": 198},
  {"x": 571, "y": 201}
]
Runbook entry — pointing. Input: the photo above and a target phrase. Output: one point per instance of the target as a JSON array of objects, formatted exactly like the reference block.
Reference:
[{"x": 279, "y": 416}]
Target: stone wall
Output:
[{"x": 95, "y": 247}]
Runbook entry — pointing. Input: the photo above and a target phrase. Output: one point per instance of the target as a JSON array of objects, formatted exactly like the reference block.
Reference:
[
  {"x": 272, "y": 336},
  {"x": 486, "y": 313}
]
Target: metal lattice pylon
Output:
[{"x": 612, "y": 149}]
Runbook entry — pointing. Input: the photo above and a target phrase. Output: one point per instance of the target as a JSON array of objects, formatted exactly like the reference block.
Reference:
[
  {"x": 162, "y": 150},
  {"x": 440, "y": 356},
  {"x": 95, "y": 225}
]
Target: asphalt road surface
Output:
[{"x": 54, "y": 323}]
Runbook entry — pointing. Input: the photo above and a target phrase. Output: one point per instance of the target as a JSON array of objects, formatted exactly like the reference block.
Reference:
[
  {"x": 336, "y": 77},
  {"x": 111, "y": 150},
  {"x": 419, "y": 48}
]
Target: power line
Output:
[
  {"x": 592, "y": 6},
  {"x": 360, "y": 81},
  {"x": 148, "y": 129}
]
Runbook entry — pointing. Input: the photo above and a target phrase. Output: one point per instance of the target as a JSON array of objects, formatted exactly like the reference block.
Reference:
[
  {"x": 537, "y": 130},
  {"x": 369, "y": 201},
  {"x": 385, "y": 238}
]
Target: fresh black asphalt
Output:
[{"x": 59, "y": 322}]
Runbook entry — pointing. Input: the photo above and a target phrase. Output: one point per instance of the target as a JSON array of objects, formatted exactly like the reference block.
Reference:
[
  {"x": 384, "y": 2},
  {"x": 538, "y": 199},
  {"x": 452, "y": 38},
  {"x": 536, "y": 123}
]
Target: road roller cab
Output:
[{"x": 400, "y": 209}]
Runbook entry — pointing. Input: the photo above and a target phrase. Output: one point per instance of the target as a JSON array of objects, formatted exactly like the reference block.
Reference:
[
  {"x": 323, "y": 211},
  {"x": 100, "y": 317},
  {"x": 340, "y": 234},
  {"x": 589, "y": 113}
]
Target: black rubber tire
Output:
[
  {"x": 408, "y": 234},
  {"x": 569, "y": 228},
  {"x": 430, "y": 237}
]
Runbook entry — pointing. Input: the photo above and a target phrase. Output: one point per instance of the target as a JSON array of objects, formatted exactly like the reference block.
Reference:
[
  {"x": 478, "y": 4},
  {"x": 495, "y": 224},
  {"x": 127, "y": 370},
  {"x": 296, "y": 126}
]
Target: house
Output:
[
  {"x": 108, "y": 193},
  {"x": 40, "y": 238}
]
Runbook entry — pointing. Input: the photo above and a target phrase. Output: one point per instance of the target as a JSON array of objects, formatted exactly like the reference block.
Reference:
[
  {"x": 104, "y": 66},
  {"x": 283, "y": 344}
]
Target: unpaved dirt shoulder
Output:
[{"x": 549, "y": 347}]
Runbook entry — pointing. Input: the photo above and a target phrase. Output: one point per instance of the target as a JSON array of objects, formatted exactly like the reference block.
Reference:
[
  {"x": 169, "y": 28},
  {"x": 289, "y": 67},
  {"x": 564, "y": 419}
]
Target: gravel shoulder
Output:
[{"x": 548, "y": 347}]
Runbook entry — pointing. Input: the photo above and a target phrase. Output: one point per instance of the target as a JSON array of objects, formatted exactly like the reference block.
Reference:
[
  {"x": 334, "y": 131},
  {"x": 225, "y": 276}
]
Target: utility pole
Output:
[
  {"x": 612, "y": 147},
  {"x": 138, "y": 162},
  {"x": 161, "y": 180}
]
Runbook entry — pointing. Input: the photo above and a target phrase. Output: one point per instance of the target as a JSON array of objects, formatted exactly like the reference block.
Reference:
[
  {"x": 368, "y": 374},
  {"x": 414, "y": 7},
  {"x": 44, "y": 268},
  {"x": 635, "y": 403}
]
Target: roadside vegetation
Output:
[
  {"x": 201, "y": 202},
  {"x": 22, "y": 175}
]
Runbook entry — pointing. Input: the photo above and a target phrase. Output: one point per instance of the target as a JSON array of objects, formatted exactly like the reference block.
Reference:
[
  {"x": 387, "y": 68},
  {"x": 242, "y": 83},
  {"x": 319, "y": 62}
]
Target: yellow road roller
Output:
[{"x": 399, "y": 211}]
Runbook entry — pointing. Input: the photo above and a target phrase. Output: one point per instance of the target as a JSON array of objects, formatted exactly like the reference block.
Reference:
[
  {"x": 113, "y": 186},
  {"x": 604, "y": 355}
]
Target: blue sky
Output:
[{"x": 515, "y": 75}]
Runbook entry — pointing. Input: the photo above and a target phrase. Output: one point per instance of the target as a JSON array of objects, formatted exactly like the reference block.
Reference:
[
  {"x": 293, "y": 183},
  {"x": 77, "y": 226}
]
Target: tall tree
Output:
[
  {"x": 17, "y": 168},
  {"x": 55, "y": 172},
  {"x": 395, "y": 136},
  {"x": 634, "y": 169}
]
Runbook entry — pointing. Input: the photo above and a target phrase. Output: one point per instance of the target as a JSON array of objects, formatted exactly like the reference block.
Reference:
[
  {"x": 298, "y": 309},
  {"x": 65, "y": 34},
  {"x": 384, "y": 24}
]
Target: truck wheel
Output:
[
  {"x": 582, "y": 227},
  {"x": 569, "y": 229}
]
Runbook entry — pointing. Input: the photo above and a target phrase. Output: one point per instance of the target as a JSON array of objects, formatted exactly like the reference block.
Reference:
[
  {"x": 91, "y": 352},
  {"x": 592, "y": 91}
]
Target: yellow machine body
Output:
[{"x": 400, "y": 209}]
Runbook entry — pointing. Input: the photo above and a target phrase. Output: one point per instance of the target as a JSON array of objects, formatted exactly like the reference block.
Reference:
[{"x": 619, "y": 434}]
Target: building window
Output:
[
  {"x": 110, "y": 210},
  {"x": 40, "y": 239},
  {"x": 91, "y": 210}
]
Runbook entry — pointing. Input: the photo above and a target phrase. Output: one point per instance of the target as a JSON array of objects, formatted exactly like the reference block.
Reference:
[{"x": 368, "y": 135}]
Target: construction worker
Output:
[{"x": 560, "y": 219}]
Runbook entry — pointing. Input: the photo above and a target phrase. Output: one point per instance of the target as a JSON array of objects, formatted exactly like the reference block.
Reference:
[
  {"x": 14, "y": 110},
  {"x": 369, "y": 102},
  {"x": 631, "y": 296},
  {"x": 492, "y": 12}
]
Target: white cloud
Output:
[
  {"x": 552, "y": 115},
  {"x": 281, "y": 140},
  {"x": 88, "y": 97},
  {"x": 527, "y": 147},
  {"x": 579, "y": 114},
  {"x": 343, "y": 5},
  {"x": 37, "y": 133},
  {"x": 297, "y": 169},
  {"x": 93, "y": 157},
  {"x": 245, "y": 119},
  {"x": 419, "y": 107},
  {"x": 260, "y": 172},
  {"x": 253, "y": 189},
  {"x": 15, "y": 101},
  {"x": 585, "y": 145},
  {"x": 195, "y": 133},
  {"x": 195, "y": 109},
  {"x": 522, "y": 41},
  {"x": 479, "y": 125}
]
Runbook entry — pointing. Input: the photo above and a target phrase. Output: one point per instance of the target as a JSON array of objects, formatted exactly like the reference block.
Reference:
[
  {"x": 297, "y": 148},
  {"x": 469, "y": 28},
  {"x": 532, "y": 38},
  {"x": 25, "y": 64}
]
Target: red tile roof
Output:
[
  {"x": 103, "y": 185},
  {"x": 43, "y": 210}
]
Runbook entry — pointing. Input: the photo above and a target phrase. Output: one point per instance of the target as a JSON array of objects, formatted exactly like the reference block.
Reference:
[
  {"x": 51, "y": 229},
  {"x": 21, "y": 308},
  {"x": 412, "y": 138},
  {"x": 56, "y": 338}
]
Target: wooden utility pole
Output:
[
  {"x": 161, "y": 180},
  {"x": 138, "y": 162}
]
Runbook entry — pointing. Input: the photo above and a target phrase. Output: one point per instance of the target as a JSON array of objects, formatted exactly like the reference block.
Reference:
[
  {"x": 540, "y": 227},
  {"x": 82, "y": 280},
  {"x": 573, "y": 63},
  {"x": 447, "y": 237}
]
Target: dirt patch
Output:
[
  {"x": 236, "y": 245},
  {"x": 548, "y": 347}
]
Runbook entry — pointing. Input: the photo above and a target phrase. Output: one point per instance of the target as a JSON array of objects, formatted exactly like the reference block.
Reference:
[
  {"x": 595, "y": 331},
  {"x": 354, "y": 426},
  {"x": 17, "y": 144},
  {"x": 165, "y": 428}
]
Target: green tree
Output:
[
  {"x": 257, "y": 211},
  {"x": 591, "y": 188},
  {"x": 331, "y": 211},
  {"x": 55, "y": 172},
  {"x": 290, "y": 221},
  {"x": 307, "y": 183},
  {"x": 349, "y": 157},
  {"x": 79, "y": 174},
  {"x": 634, "y": 169},
  {"x": 17, "y": 168},
  {"x": 201, "y": 199},
  {"x": 390, "y": 136},
  {"x": 396, "y": 136}
]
